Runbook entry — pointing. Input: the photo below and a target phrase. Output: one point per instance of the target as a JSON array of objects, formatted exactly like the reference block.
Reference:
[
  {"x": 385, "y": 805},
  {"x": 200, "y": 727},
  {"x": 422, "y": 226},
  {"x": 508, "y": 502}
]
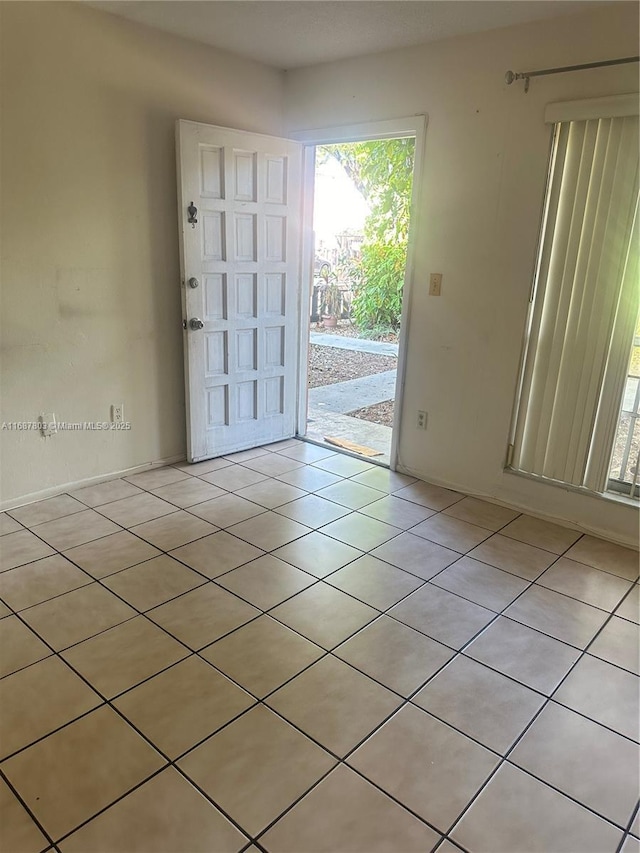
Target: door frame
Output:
[{"x": 415, "y": 126}]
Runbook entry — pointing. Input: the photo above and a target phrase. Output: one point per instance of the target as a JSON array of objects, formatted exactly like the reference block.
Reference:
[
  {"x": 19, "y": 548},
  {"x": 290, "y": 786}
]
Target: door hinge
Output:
[{"x": 509, "y": 455}]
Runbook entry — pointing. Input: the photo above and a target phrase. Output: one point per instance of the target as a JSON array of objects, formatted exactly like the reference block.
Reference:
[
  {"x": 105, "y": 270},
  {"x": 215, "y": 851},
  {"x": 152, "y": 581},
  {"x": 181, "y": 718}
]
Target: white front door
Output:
[{"x": 240, "y": 259}]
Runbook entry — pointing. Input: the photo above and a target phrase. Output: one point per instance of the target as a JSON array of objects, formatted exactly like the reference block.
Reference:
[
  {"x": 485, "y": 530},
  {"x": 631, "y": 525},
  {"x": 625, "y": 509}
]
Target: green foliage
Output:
[
  {"x": 378, "y": 294},
  {"x": 382, "y": 170},
  {"x": 378, "y": 333}
]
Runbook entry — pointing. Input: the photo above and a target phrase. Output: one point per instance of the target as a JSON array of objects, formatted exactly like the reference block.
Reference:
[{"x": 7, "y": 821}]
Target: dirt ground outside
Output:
[
  {"x": 381, "y": 413},
  {"x": 328, "y": 365}
]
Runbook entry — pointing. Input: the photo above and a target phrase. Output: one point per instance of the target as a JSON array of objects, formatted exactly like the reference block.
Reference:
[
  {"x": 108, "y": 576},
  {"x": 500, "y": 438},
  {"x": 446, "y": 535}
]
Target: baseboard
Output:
[
  {"x": 52, "y": 491},
  {"x": 592, "y": 530}
]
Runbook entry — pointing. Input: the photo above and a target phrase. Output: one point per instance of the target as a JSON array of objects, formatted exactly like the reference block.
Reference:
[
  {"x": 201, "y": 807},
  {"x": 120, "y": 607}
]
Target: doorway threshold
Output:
[{"x": 322, "y": 425}]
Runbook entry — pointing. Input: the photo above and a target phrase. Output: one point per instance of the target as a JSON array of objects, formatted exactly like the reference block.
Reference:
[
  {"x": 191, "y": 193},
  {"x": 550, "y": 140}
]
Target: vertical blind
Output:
[{"x": 585, "y": 303}]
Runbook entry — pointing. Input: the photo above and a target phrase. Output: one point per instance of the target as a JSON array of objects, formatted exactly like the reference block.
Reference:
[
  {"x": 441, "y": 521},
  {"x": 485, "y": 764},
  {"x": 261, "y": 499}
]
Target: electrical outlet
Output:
[
  {"x": 117, "y": 413},
  {"x": 422, "y": 420},
  {"x": 48, "y": 426},
  {"x": 435, "y": 284}
]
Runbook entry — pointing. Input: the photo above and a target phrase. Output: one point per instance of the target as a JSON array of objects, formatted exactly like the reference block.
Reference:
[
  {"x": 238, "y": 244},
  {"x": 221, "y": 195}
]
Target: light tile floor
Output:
[{"x": 291, "y": 650}]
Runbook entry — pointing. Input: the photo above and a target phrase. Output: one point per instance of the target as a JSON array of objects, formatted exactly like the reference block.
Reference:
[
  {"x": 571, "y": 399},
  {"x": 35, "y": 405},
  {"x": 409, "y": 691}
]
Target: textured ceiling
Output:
[{"x": 295, "y": 33}]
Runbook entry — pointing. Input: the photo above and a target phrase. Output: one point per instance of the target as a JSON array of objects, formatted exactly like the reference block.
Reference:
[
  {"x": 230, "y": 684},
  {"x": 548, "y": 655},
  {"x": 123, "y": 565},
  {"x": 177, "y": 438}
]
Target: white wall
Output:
[
  {"x": 90, "y": 298},
  {"x": 90, "y": 302},
  {"x": 479, "y": 210}
]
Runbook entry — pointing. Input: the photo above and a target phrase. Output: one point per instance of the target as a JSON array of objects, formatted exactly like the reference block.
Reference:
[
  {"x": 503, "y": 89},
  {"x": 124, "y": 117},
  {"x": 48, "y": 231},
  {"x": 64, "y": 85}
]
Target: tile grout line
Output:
[
  {"x": 304, "y": 734},
  {"x": 108, "y": 701},
  {"x": 289, "y": 598},
  {"x": 329, "y": 652},
  {"x": 526, "y": 729},
  {"x": 627, "y": 832},
  {"x": 207, "y": 578},
  {"x": 318, "y": 529},
  {"x": 8, "y": 783},
  {"x": 317, "y": 580},
  {"x": 543, "y": 706}
]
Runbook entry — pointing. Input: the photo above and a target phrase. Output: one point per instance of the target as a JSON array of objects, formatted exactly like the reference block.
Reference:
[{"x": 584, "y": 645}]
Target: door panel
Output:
[{"x": 244, "y": 253}]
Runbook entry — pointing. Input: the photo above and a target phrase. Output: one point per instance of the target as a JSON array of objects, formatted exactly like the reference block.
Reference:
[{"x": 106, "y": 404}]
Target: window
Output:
[
  {"x": 624, "y": 474},
  {"x": 585, "y": 302}
]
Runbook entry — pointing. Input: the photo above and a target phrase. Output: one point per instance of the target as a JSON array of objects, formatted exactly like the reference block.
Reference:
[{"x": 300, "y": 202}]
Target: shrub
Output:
[
  {"x": 378, "y": 292},
  {"x": 382, "y": 170}
]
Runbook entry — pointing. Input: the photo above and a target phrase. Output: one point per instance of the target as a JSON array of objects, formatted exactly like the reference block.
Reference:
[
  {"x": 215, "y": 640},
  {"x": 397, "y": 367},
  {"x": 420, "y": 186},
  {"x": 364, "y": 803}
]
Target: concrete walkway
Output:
[
  {"x": 322, "y": 424},
  {"x": 328, "y": 403},
  {"x": 342, "y": 397},
  {"x": 354, "y": 344}
]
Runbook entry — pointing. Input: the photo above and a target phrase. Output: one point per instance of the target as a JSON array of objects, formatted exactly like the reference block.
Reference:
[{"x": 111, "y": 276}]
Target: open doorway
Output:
[{"x": 361, "y": 225}]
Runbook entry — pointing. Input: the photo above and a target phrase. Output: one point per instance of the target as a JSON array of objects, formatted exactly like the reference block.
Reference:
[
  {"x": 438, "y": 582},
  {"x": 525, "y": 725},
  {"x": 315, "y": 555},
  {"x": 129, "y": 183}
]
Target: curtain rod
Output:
[{"x": 511, "y": 76}]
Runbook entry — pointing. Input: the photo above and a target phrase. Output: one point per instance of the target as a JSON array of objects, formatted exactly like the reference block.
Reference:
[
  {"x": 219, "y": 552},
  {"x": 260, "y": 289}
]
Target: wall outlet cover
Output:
[{"x": 435, "y": 284}]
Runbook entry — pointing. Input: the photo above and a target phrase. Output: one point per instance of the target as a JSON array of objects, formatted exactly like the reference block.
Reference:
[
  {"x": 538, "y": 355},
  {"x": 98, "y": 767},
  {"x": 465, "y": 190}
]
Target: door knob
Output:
[{"x": 195, "y": 324}]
